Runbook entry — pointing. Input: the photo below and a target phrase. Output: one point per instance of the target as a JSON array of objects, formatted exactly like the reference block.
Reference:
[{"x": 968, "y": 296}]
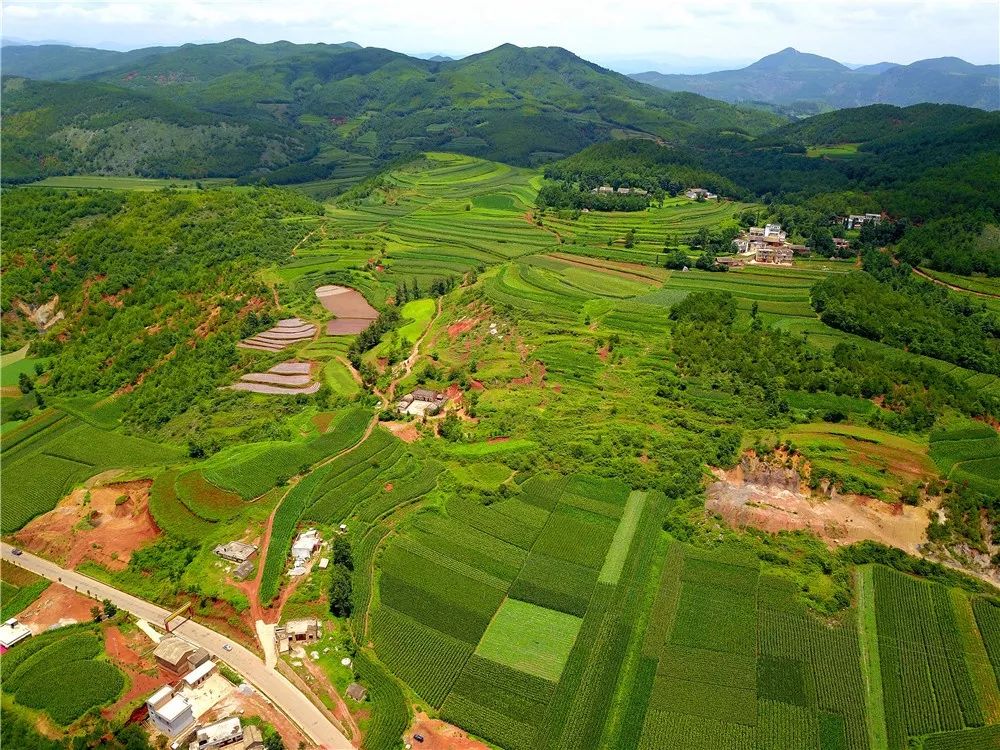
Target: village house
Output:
[
  {"x": 856, "y": 221},
  {"x": 696, "y": 193},
  {"x": 169, "y": 713},
  {"x": 237, "y": 552},
  {"x": 357, "y": 692},
  {"x": 603, "y": 189},
  {"x": 11, "y": 633},
  {"x": 199, "y": 674},
  {"x": 229, "y": 733},
  {"x": 243, "y": 570},
  {"x": 731, "y": 262},
  {"x": 421, "y": 402},
  {"x": 295, "y": 632},
  {"x": 773, "y": 255},
  {"x": 178, "y": 656},
  {"x": 841, "y": 244}
]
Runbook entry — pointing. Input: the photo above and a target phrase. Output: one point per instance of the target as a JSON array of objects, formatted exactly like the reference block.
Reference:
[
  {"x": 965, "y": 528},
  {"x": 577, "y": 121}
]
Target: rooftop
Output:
[
  {"x": 198, "y": 672},
  {"x": 174, "y": 708},
  {"x": 12, "y": 632},
  {"x": 224, "y": 730},
  {"x": 173, "y": 650}
]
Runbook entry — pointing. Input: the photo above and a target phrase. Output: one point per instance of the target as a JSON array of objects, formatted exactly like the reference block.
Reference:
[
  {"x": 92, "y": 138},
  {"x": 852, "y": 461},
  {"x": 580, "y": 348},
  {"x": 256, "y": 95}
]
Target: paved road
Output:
[{"x": 275, "y": 686}]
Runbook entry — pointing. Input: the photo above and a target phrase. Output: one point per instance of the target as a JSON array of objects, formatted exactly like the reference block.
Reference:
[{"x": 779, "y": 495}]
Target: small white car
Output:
[{"x": 228, "y": 647}]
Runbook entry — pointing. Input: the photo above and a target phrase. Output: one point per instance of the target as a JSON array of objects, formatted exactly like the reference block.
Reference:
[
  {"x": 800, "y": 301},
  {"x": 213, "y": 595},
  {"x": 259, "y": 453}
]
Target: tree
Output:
[
  {"x": 95, "y": 612},
  {"x": 340, "y": 592},
  {"x": 110, "y": 609},
  {"x": 25, "y": 383},
  {"x": 342, "y": 553}
]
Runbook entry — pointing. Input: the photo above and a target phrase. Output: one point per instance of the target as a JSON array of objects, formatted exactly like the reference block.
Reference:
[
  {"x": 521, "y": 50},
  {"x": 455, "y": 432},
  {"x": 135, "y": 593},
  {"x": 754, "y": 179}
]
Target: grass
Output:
[
  {"x": 871, "y": 665},
  {"x": 529, "y": 638},
  {"x": 833, "y": 150},
  {"x": 615, "y": 560}
]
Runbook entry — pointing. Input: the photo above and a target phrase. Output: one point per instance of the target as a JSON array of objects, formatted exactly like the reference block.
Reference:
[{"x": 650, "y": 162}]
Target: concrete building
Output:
[
  {"x": 178, "y": 656},
  {"x": 237, "y": 552},
  {"x": 229, "y": 733},
  {"x": 856, "y": 221},
  {"x": 774, "y": 255},
  {"x": 170, "y": 713},
  {"x": 305, "y": 545},
  {"x": 295, "y": 632},
  {"x": 421, "y": 402},
  {"x": 697, "y": 193},
  {"x": 11, "y": 633},
  {"x": 243, "y": 570},
  {"x": 199, "y": 674},
  {"x": 357, "y": 692}
]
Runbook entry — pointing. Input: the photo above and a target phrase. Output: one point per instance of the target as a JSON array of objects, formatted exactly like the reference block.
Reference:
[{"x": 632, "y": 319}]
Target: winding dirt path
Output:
[{"x": 925, "y": 275}]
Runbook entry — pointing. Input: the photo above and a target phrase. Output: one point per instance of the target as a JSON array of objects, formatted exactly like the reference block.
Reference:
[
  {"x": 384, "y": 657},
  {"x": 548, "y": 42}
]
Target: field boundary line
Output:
[{"x": 871, "y": 667}]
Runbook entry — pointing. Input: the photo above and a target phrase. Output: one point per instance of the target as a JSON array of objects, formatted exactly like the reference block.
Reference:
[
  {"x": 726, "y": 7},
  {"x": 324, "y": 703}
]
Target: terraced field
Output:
[{"x": 603, "y": 234}]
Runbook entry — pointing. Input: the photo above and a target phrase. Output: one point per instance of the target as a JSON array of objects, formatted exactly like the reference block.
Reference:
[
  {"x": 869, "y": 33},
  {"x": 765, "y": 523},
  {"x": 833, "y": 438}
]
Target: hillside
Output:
[
  {"x": 797, "y": 79},
  {"x": 512, "y": 104}
]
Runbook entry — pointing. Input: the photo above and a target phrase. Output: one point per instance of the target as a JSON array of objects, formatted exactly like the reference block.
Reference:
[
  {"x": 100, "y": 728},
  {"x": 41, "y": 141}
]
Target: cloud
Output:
[{"x": 851, "y": 30}]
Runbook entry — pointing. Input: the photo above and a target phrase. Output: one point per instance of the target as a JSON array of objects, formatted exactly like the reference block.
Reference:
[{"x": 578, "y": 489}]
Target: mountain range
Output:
[
  {"x": 301, "y": 112},
  {"x": 808, "y": 83}
]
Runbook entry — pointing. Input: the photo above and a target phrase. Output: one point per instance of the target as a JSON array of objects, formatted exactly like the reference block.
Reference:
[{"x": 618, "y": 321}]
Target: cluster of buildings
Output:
[
  {"x": 767, "y": 244},
  {"x": 170, "y": 710},
  {"x": 422, "y": 402},
  {"x": 608, "y": 190},
  {"x": 697, "y": 193}
]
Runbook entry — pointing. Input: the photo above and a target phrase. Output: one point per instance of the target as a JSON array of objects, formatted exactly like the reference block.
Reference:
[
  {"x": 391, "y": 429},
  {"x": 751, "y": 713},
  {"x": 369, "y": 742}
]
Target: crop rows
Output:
[
  {"x": 390, "y": 714},
  {"x": 426, "y": 659},
  {"x": 171, "y": 515},
  {"x": 255, "y": 469},
  {"x": 206, "y": 500},
  {"x": 667, "y": 729},
  {"x": 58, "y": 673},
  {"x": 781, "y": 726},
  {"x": 926, "y": 686},
  {"x": 481, "y": 550},
  {"x": 491, "y": 522},
  {"x": 988, "y": 620},
  {"x": 554, "y": 583},
  {"x": 571, "y": 538},
  {"x": 969, "y": 739}
]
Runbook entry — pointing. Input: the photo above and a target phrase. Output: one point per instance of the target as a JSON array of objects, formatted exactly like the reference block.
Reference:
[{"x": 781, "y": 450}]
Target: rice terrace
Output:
[{"x": 581, "y": 415}]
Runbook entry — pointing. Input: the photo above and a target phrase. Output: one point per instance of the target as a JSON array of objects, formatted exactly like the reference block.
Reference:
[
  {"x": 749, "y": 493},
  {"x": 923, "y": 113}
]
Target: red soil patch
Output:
[
  {"x": 453, "y": 392},
  {"x": 462, "y": 326},
  {"x": 405, "y": 431},
  {"x": 102, "y": 528},
  {"x": 494, "y": 440},
  {"x": 773, "y": 500},
  {"x": 440, "y": 736},
  {"x": 388, "y": 487},
  {"x": 56, "y": 606},
  {"x": 133, "y": 655},
  {"x": 319, "y": 682},
  {"x": 477, "y": 385},
  {"x": 603, "y": 352}
]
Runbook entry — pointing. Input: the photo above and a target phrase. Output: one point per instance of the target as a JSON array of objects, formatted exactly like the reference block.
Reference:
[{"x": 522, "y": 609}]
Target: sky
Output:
[{"x": 629, "y": 36}]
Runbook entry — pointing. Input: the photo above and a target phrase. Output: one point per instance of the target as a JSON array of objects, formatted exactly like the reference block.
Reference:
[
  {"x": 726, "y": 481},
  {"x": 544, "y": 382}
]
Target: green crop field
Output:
[
  {"x": 45, "y": 457},
  {"x": 62, "y": 673},
  {"x": 529, "y": 639},
  {"x": 536, "y": 565}
]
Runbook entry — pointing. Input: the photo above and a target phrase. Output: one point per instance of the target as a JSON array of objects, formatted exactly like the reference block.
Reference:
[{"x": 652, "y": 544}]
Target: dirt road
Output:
[{"x": 269, "y": 682}]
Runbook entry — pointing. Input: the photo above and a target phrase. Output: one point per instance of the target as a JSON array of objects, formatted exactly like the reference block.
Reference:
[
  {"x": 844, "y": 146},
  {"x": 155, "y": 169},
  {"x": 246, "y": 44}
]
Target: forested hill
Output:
[
  {"x": 811, "y": 83},
  {"x": 337, "y": 104}
]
